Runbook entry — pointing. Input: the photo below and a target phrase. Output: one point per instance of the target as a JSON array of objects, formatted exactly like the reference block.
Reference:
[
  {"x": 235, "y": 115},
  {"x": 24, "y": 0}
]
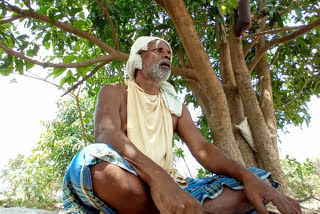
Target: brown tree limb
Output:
[
  {"x": 106, "y": 12},
  {"x": 273, "y": 31},
  {"x": 185, "y": 72},
  {"x": 13, "y": 18},
  {"x": 259, "y": 34},
  {"x": 248, "y": 48},
  {"x": 283, "y": 39},
  {"x": 114, "y": 56},
  {"x": 87, "y": 77},
  {"x": 65, "y": 27}
]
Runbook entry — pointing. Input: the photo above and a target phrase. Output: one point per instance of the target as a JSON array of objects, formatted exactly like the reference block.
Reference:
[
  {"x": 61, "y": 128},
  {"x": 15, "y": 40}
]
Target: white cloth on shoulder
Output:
[{"x": 134, "y": 62}]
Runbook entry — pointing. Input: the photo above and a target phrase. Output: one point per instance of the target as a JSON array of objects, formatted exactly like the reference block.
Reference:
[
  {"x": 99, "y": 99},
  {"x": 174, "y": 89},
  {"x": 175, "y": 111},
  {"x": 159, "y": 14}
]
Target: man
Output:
[{"x": 130, "y": 167}]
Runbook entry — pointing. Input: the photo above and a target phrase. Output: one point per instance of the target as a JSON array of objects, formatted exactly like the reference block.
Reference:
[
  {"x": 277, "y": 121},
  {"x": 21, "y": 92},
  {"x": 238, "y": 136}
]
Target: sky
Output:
[
  {"x": 22, "y": 106},
  {"x": 26, "y": 102}
]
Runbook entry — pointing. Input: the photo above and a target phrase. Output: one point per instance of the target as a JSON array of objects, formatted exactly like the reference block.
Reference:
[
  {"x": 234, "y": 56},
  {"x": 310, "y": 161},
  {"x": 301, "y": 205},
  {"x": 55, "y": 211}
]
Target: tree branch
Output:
[
  {"x": 65, "y": 27},
  {"x": 248, "y": 48},
  {"x": 185, "y": 72},
  {"x": 13, "y": 18},
  {"x": 251, "y": 45},
  {"x": 114, "y": 56},
  {"x": 41, "y": 79},
  {"x": 106, "y": 12},
  {"x": 308, "y": 198},
  {"x": 283, "y": 39},
  {"x": 259, "y": 34},
  {"x": 87, "y": 77},
  {"x": 272, "y": 31},
  {"x": 27, "y": 4}
]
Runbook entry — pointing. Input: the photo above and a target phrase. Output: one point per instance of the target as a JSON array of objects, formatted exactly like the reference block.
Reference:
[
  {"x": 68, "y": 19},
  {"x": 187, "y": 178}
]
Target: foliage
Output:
[
  {"x": 36, "y": 179},
  {"x": 303, "y": 178},
  {"x": 294, "y": 65}
]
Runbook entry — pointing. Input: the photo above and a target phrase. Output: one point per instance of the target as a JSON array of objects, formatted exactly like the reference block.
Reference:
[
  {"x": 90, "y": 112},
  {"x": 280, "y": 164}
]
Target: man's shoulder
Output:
[{"x": 113, "y": 88}]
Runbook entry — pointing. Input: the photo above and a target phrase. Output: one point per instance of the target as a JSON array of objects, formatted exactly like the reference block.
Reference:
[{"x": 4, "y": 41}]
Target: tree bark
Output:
[
  {"x": 233, "y": 97},
  {"x": 266, "y": 97},
  {"x": 269, "y": 158},
  {"x": 219, "y": 116}
]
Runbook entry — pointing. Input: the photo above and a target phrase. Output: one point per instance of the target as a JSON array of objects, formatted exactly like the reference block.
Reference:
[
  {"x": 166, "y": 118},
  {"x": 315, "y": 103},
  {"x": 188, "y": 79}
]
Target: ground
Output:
[{"x": 19, "y": 210}]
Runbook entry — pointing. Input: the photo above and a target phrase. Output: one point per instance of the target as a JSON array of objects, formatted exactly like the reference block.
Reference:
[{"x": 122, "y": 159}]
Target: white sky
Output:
[{"x": 25, "y": 103}]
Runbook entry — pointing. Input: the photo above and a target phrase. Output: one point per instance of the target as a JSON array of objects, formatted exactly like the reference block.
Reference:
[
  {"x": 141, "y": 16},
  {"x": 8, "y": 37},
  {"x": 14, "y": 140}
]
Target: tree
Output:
[
  {"x": 303, "y": 179},
  {"x": 12, "y": 174},
  {"x": 267, "y": 75}
]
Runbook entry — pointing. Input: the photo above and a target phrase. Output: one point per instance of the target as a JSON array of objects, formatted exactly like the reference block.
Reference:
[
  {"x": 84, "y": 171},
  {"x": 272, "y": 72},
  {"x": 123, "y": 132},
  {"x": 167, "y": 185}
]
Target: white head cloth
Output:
[{"x": 134, "y": 62}]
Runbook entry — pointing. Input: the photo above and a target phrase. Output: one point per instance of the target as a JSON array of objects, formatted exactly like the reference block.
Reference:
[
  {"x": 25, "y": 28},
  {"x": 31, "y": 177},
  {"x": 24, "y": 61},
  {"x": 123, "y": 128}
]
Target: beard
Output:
[{"x": 157, "y": 73}]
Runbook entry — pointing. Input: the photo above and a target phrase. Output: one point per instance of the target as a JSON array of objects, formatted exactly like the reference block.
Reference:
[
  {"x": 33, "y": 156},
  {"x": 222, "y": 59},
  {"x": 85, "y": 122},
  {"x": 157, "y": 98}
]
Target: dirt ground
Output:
[{"x": 21, "y": 210}]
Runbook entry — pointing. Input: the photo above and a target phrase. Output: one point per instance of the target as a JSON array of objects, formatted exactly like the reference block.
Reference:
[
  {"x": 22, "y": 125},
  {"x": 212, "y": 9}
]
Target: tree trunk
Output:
[
  {"x": 233, "y": 97},
  {"x": 265, "y": 91},
  {"x": 218, "y": 111},
  {"x": 267, "y": 154}
]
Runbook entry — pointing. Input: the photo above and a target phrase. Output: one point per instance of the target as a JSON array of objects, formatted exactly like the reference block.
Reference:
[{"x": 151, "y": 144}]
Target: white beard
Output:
[{"x": 157, "y": 73}]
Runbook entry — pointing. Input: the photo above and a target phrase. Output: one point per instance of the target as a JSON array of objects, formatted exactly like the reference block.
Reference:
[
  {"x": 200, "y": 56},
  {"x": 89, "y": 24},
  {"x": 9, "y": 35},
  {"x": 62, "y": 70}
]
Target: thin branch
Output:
[
  {"x": 65, "y": 27},
  {"x": 248, "y": 48},
  {"x": 259, "y": 34},
  {"x": 84, "y": 135},
  {"x": 19, "y": 55},
  {"x": 251, "y": 45},
  {"x": 41, "y": 79},
  {"x": 27, "y": 4},
  {"x": 273, "y": 31},
  {"x": 289, "y": 8},
  {"x": 308, "y": 198},
  {"x": 13, "y": 18},
  {"x": 106, "y": 12},
  {"x": 283, "y": 39},
  {"x": 87, "y": 77}
]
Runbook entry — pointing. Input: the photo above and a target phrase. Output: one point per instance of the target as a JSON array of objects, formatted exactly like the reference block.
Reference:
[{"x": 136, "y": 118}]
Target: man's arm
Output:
[
  {"x": 165, "y": 193},
  {"x": 210, "y": 157}
]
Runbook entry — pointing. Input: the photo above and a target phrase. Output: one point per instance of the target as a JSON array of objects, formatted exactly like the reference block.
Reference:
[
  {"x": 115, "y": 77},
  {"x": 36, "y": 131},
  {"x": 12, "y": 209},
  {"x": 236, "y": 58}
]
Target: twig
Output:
[
  {"x": 57, "y": 65},
  {"x": 87, "y": 77},
  {"x": 65, "y": 27},
  {"x": 27, "y": 4},
  {"x": 84, "y": 135},
  {"x": 106, "y": 12},
  {"x": 272, "y": 31},
  {"x": 283, "y": 39},
  {"x": 308, "y": 198},
  {"x": 39, "y": 78},
  {"x": 11, "y": 19}
]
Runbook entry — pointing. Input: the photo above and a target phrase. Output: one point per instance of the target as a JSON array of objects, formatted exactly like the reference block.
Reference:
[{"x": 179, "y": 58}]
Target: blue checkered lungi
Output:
[{"x": 78, "y": 196}]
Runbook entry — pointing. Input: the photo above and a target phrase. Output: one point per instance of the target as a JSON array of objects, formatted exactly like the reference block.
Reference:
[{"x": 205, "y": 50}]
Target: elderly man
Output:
[{"x": 130, "y": 167}]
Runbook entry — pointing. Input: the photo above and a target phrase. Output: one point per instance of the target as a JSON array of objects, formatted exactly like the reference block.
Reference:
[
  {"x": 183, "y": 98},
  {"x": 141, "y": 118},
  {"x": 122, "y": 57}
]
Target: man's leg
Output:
[
  {"x": 228, "y": 202},
  {"x": 123, "y": 191}
]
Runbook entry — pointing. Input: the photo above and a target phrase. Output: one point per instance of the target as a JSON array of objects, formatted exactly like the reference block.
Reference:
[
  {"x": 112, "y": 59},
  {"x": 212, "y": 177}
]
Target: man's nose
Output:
[{"x": 167, "y": 55}]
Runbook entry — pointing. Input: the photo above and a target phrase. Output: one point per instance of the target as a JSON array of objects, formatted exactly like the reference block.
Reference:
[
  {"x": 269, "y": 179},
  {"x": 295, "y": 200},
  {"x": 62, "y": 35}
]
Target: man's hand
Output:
[
  {"x": 260, "y": 193},
  {"x": 170, "y": 198}
]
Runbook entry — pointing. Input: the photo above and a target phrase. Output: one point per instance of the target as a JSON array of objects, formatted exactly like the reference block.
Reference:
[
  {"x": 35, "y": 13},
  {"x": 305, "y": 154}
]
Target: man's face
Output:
[{"x": 156, "y": 61}]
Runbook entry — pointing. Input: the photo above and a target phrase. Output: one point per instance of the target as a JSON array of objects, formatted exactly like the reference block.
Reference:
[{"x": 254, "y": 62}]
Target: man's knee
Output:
[{"x": 122, "y": 190}]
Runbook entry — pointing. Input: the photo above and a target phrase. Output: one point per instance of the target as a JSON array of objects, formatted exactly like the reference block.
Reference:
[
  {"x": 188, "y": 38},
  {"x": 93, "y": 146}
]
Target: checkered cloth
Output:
[{"x": 78, "y": 196}]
